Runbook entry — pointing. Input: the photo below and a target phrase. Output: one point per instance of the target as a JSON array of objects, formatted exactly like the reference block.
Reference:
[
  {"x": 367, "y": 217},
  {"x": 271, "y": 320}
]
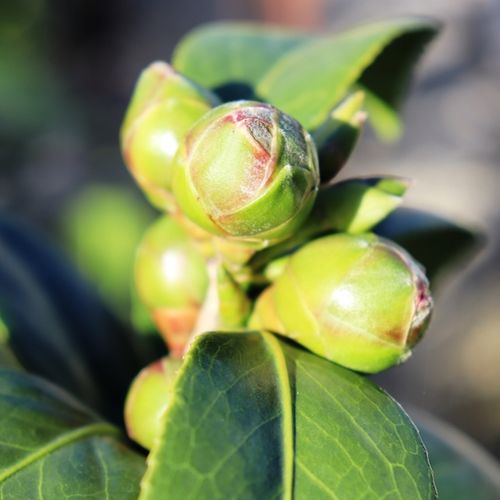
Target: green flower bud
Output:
[
  {"x": 163, "y": 108},
  {"x": 336, "y": 138},
  {"x": 172, "y": 281},
  {"x": 148, "y": 399},
  {"x": 247, "y": 171},
  {"x": 360, "y": 301}
]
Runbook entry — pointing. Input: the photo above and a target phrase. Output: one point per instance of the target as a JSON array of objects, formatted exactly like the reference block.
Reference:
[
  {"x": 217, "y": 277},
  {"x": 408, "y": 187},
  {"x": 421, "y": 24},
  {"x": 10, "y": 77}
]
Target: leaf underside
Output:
[{"x": 256, "y": 417}]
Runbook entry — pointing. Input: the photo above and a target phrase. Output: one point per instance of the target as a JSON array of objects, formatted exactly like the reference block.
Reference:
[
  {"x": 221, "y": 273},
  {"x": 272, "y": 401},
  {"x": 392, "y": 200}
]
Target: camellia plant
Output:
[{"x": 275, "y": 290}]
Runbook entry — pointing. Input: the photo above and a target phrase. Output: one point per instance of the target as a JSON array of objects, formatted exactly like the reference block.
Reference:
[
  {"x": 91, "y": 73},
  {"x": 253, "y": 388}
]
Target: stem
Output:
[{"x": 208, "y": 318}]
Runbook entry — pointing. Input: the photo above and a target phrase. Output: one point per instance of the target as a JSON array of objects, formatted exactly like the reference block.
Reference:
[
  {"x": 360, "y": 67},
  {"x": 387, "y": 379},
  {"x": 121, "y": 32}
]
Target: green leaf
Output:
[
  {"x": 222, "y": 54},
  {"x": 53, "y": 448},
  {"x": 309, "y": 80},
  {"x": 7, "y": 358},
  {"x": 255, "y": 417},
  {"x": 435, "y": 242},
  {"x": 462, "y": 469},
  {"x": 57, "y": 326}
]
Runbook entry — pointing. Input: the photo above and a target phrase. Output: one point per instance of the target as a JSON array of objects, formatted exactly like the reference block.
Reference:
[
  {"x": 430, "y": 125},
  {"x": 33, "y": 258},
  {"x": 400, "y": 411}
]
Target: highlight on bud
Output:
[
  {"x": 172, "y": 281},
  {"x": 247, "y": 171},
  {"x": 337, "y": 136},
  {"x": 360, "y": 301},
  {"x": 148, "y": 399},
  {"x": 163, "y": 108}
]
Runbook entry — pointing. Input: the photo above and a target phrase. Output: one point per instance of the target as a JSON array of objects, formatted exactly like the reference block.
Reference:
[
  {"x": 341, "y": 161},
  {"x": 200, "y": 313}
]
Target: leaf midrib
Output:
[
  {"x": 283, "y": 377},
  {"x": 96, "y": 429}
]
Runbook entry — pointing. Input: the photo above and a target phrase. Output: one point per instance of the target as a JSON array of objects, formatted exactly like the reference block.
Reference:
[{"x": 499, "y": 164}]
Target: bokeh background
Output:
[{"x": 67, "y": 70}]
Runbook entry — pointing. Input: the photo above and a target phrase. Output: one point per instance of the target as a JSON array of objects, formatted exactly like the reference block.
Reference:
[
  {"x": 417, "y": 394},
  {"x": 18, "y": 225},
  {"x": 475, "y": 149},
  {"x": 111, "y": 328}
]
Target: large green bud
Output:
[
  {"x": 163, "y": 108},
  {"x": 171, "y": 280},
  {"x": 148, "y": 399},
  {"x": 360, "y": 301},
  {"x": 247, "y": 171}
]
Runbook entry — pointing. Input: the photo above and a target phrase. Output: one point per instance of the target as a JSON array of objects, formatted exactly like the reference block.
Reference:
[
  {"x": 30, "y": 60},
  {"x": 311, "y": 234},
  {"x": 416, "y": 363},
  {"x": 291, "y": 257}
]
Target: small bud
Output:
[
  {"x": 163, "y": 108},
  {"x": 247, "y": 171},
  {"x": 148, "y": 399},
  {"x": 360, "y": 301},
  {"x": 336, "y": 138},
  {"x": 172, "y": 281}
]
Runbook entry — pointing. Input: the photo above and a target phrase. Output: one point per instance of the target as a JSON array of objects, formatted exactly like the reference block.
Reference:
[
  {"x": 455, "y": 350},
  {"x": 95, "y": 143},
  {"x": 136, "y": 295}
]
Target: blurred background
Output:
[{"x": 67, "y": 70}]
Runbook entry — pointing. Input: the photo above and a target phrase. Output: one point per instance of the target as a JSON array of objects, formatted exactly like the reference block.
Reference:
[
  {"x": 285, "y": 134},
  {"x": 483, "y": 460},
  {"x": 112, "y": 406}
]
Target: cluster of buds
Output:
[{"x": 257, "y": 236}]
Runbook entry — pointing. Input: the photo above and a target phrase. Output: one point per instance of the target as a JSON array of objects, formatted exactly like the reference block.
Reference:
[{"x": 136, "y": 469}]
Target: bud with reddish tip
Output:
[
  {"x": 360, "y": 301},
  {"x": 247, "y": 171},
  {"x": 171, "y": 280},
  {"x": 148, "y": 399},
  {"x": 163, "y": 108}
]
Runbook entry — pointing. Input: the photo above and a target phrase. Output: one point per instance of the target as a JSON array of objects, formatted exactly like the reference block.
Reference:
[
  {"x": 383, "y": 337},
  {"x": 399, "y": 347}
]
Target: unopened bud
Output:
[
  {"x": 148, "y": 399},
  {"x": 360, "y": 301},
  {"x": 163, "y": 108},
  {"x": 247, "y": 171},
  {"x": 172, "y": 281}
]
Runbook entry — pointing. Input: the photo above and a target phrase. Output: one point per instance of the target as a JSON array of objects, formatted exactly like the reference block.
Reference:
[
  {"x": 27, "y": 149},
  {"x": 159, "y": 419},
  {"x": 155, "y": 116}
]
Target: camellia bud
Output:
[
  {"x": 360, "y": 301},
  {"x": 172, "y": 281},
  {"x": 163, "y": 108},
  {"x": 148, "y": 399},
  {"x": 247, "y": 171}
]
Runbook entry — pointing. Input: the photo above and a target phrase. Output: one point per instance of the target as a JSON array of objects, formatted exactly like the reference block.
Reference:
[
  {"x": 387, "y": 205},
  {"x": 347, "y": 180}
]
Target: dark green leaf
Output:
[
  {"x": 58, "y": 328},
  {"x": 309, "y": 80},
  {"x": 232, "y": 53},
  {"x": 384, "y": 94},
  {"x": 52, "y": 448},
  {"x": 255, "y": 417},
  {"x": 435, "y": 242},
  {"x": 461, "y": 468}
]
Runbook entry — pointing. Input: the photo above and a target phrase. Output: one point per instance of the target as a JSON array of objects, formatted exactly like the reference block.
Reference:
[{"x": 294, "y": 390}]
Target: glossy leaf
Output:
[
  {"x": 461, "y": 468},
  {"x": 232, "y": 54},
  {"x": 53, "y": 448},
  {"x": 309, "y": 80},
  {"x": 57, "y": 326},
  {"x": 435, "y": 242},
  {"x": 255, "y": 417}
]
